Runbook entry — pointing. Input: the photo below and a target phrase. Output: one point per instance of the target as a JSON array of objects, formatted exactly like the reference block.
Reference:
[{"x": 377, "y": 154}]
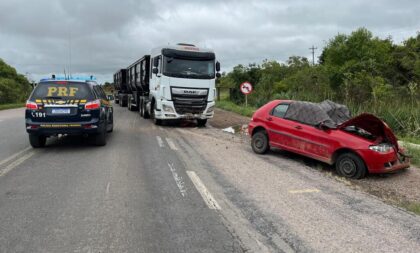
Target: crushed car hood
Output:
[{"x": 373, "y": 125}]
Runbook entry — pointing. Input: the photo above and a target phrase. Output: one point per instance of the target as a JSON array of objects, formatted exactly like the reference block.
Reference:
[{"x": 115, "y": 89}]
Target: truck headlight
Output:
[
  {"x": 167, "y": 108},
  {"x": 211, "y": 109},
  {"x": 381, "y": 148}
]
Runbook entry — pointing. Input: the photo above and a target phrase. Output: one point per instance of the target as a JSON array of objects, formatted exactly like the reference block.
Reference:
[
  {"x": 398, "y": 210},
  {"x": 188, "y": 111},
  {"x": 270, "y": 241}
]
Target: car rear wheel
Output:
[
  {"x": 37, "y": 141},
  {"x": 259, "y": 142},
  {"x": 351, "y": 166}
]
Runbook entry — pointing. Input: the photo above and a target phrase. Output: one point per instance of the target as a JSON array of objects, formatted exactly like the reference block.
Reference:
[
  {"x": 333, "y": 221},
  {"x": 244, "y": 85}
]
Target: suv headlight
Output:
[
  {"x": 211, "y": 109},
  {"x": 167, "y": 108},
  {"x": 381, "y": 148}
]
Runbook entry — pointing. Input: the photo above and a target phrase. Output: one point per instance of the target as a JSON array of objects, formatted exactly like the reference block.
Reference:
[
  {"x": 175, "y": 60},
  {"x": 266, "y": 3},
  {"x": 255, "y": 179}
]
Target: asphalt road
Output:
[{"x": 180, "y": 189}]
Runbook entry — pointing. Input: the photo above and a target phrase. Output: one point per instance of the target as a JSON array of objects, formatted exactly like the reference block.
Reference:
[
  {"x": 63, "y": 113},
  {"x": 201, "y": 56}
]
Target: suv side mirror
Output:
[
  {"x": 155, "y": 70},
  {"x": 217, "y": 66}
]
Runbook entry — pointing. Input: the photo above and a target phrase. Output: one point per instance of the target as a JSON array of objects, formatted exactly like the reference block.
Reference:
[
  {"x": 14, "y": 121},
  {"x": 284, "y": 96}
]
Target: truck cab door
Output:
[{"x": 155, "y": 75}]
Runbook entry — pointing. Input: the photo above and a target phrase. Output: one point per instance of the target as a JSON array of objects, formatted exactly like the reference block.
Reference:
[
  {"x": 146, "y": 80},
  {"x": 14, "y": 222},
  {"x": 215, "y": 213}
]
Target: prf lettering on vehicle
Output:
[{"x": 62, "y": 91}]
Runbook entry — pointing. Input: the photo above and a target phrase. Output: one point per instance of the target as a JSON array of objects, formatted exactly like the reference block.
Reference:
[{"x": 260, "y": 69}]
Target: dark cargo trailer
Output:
[{"x": 121, "y": 88}]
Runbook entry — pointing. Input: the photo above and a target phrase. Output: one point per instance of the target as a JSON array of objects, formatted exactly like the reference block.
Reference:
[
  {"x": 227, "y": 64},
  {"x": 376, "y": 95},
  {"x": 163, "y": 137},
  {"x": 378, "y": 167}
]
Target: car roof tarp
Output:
[{"x": 327, "y": 112}]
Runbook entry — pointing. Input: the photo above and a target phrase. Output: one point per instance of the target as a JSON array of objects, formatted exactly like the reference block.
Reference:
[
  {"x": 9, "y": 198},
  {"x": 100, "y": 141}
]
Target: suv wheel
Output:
[
  {"x": 37, "y": 141},
  {"x": 100, "y": 138}
]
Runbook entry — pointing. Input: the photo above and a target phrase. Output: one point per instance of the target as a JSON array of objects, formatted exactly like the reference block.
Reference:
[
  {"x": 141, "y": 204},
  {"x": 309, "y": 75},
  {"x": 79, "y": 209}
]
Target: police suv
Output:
[{"x": 72, "y": 106}]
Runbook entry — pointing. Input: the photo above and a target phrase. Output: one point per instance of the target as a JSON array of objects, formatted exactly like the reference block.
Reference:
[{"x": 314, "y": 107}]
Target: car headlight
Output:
[
  {"x": 167, "y": 108},
  {"x": 381, "y": 148},
  {"x": 211, "y": 109}
]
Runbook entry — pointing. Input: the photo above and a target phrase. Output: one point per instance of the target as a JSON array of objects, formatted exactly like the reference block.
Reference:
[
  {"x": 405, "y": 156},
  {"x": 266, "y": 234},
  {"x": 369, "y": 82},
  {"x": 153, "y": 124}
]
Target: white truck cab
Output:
[{"x": 182, "y": 83}]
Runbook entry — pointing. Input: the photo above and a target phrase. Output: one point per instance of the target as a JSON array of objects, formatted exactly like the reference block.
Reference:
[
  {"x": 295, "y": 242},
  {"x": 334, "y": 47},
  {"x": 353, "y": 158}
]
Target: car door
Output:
[
  {"x": 280, "y": 129},
  {"x": 315, "y": 142}
]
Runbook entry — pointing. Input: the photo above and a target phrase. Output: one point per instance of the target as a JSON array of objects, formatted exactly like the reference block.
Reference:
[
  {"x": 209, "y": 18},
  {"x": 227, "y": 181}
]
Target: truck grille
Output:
[{"x": 189, "y": 103}]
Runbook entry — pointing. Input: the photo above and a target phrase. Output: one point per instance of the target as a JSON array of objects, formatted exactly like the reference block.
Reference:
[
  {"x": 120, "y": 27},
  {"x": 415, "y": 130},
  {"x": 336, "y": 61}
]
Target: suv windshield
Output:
[
  {"x": 62, "y": 90},
  {"x": 186, "y": 68}
]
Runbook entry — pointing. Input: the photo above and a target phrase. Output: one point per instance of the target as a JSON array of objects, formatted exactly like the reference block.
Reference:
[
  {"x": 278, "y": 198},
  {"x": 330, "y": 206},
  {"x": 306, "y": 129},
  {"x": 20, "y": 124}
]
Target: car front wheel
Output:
[
  {"x": 351, "y": 166},
  {"x": 259, "y": 142}
]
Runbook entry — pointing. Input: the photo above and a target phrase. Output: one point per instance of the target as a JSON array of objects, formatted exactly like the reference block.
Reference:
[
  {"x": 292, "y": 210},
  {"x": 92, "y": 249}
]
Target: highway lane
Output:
[
  {"x": 13, "y": 137},
  {"x": 132, "y": 195}
]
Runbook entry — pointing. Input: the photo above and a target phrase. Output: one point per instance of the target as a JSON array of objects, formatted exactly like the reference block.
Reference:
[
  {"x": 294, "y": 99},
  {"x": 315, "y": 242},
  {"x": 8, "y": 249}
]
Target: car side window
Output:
[{"x": 280, "y": 110}]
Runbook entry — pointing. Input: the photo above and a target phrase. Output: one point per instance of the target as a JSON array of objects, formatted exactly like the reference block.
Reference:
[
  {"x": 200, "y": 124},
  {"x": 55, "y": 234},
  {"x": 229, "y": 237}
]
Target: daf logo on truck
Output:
[{"x": 173, "y": 82}]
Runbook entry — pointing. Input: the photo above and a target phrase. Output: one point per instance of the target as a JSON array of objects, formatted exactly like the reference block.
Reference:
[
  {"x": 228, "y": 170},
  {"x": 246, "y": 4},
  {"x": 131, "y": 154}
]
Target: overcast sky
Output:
[{"x": 35, "y": 36}]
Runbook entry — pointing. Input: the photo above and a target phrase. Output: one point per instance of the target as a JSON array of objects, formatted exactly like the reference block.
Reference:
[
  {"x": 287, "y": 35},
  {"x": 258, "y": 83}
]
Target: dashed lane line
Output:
[
  {"x": 160, "y": 142},
  {"x": 178, "y": 180},
  {"x": 201, "y": 188},
  {"x": 171, "y": 144},
  {"x": 16, "y": 163}
]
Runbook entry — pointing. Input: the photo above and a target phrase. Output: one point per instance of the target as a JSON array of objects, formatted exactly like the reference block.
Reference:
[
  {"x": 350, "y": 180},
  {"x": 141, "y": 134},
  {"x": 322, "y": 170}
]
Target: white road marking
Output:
[
  {"x": 201, "y": 188},
  {"x": 160, "y": 142},
  {"x": 178, "y": 180},
  {"x": 107, "y": 188},
  {"x": 304, "y": 191},
  {"x": 14, "y": 156},
  {"x": 171, "y": 144},
  {"x": 16, "y": 163}
]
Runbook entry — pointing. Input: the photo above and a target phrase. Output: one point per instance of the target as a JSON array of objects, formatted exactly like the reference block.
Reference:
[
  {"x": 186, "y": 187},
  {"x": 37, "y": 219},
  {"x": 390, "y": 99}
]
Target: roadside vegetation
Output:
[
  {"x": 367, "y": 73},
  {"x": 14, "y": 87}
]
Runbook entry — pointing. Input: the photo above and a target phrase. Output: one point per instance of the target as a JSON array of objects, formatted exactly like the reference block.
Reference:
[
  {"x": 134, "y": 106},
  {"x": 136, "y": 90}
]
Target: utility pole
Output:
[{"x": 313, "y": 48}]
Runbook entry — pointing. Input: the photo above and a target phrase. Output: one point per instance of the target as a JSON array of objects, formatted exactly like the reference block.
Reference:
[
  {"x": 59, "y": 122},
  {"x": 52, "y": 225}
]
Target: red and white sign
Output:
[{"x": 246, "y": 88}]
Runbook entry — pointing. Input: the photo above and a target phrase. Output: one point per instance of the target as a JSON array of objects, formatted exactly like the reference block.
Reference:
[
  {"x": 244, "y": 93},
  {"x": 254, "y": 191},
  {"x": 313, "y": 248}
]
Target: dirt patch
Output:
[
  {"x": 223, "y": 119},
  {"x": 397, "y": 188}
]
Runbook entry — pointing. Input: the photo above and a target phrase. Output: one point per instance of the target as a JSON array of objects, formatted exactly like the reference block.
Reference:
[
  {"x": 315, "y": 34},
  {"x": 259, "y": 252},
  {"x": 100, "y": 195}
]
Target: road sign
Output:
[{"x": 246, "y": 88}]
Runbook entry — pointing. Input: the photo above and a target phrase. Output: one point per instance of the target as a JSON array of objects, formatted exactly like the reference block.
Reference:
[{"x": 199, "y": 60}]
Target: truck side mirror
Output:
[
  {"x": 155, "y": 70},
  {"x": 156, "y": 62},
  {"x": 218, "y": 75},
  {"x": 217, "y": 66}
]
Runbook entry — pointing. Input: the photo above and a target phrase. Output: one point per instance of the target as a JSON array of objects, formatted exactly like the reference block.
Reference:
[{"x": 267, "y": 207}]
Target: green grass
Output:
[
  {"x": 11, "y": 106},
  {"x": 412, "y": 207},
  {"x": 414, "y": 152},
  {"x": 239, "y": 109}
]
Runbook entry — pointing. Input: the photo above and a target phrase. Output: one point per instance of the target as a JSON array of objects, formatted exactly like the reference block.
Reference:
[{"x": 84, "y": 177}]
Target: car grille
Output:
[{"x": 189, "y": 103}]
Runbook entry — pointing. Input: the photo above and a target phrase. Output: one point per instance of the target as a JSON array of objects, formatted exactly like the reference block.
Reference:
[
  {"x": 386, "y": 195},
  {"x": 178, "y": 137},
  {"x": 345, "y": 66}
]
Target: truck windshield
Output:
[{"x": 187, "y": 68}]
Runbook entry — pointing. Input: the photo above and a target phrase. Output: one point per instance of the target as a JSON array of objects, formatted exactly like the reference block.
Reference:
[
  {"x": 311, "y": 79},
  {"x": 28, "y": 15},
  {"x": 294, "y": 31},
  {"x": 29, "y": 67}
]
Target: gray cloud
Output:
[{"x": 35, "y": 36}]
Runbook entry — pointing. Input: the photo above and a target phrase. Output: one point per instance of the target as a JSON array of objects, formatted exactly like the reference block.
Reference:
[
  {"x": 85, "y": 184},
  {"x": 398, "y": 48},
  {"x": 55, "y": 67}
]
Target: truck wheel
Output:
[
  {"x": 37, "y": 141},
  {"x": 351, "y": 166},
  {"x": 157, "y": 122},
  {"x": 145, "y": 112},
  {"x": 201, "y": 122},
  {"x": 100, "y": 138},
  {"x": 259, "y": 142}
]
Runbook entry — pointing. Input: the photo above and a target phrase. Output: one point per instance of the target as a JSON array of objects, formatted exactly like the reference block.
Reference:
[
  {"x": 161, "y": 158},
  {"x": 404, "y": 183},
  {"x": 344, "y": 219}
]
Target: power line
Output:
[{"x": 313, "y": 48}]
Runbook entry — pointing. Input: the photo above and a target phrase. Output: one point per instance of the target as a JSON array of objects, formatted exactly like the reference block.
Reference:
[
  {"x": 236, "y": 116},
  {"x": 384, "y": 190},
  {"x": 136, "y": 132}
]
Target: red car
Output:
[{"x": 326, "y": 132}]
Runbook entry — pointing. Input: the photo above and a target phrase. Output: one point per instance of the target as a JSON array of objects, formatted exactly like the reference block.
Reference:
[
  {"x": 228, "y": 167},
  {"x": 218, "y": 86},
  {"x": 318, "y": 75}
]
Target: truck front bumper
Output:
[{"x": 166, "y": 111}]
